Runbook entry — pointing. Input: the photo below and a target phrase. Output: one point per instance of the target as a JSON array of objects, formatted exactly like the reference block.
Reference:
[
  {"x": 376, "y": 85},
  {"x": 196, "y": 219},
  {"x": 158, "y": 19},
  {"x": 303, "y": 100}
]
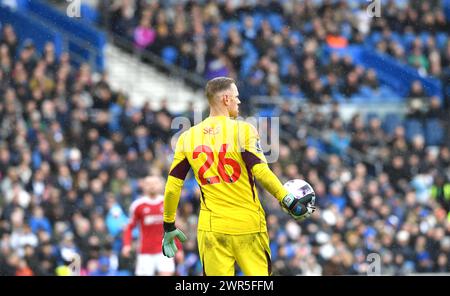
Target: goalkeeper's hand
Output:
[
  {"x": 298, "y": 208},
  {"x": 169, "y": 247}
]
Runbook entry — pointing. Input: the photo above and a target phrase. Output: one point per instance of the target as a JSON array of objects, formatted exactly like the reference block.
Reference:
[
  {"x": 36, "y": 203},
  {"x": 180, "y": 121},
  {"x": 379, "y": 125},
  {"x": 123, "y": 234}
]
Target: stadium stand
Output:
[
  {"x": 72, "y": 150},
  {"x": 259, "y": 43}
]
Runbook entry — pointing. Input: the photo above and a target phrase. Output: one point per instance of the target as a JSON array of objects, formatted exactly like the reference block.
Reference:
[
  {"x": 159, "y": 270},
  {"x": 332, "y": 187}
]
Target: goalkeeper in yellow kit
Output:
[{"x": 226, "y": 158}]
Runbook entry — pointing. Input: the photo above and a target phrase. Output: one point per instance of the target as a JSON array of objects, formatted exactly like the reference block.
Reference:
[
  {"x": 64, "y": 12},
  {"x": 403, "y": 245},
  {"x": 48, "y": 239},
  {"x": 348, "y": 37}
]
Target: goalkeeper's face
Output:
[{"x": 233, "y": 101}]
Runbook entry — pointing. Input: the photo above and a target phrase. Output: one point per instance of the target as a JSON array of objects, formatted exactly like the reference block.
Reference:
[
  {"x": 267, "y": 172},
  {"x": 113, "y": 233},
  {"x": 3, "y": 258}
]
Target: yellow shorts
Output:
[{"x": 219, "y": 252}]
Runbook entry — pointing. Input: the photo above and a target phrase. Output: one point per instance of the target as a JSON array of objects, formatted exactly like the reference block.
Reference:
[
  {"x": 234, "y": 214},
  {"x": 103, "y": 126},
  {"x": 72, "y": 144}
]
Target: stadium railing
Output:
[{"x": 194, "y": 80}]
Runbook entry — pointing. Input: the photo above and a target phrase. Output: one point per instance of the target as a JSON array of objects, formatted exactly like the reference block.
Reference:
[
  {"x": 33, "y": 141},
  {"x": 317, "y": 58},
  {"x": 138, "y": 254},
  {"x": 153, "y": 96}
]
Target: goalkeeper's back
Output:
[
  {"x": 221, "y": 152},
  {"x": 226, "y": 157}
]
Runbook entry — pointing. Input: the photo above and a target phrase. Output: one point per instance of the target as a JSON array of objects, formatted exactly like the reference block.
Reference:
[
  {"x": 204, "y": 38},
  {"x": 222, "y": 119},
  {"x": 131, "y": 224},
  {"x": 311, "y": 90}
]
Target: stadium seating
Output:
[{"x": 72, "y": 149}]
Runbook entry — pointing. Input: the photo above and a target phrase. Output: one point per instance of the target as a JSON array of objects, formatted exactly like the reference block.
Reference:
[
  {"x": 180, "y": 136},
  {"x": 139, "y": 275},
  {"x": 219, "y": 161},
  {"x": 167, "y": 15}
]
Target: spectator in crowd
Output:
[{"x": 239, "y": 39}]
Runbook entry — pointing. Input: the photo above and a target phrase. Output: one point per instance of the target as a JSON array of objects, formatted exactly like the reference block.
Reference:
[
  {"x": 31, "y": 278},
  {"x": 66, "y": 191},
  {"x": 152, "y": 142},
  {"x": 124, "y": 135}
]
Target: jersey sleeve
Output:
[
  {"x": 256, "y": 163},
  {"x": 250, "y": 142},
  {"x": 178, "y": 171}
]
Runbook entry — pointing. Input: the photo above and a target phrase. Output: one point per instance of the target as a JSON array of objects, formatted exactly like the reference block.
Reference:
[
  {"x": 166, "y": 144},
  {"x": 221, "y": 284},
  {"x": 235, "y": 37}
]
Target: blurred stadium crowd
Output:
[
  {"x": 72, "y": 151},
  {"x": 278, "y": 47}
]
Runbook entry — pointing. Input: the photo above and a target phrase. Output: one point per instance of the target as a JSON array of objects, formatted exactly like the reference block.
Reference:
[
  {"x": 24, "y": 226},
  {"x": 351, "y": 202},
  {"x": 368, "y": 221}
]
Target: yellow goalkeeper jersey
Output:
[{"x": 226, "y": 157}]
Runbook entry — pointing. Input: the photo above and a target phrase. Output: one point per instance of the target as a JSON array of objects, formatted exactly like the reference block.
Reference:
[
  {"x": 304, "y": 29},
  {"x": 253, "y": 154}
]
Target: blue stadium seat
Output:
[
  {"x": 285, "y": 62},
  {"x": 413, "y": 127},
  {"x": 123, "y": 273},
  {"x": 374, "y": 38},
  {"x": 447, "y": 90},
  {"x": 247, "y": 64},
  {"x": 224, "y": 27},
  {"x": 370, "y": 116},
  {"x": 405, "y": 42},
  {"x": 276, "y": 22},
  {"x": 284, "y": 90},
  {"x": 434, "y": 132},
  {"x": 89, "y": 13},
  {"x": 366, "y": 92},
  {"x": 316, "y": 143},
  {"x": 391, "y": 121},
  {"x": 441, "y": 40},
  {"x": 424, "y": 37},
  {"x": 308, "y": 27},
  {"x": 249, "y": 48},
  {"x": 298, "y": 35},
  {"x": 257, "y": 20},
  {"x": 408, "y": 38},
  {"x": 396, "y": 37},
  {"x": 169, "y": 54},
  {"x": 447, "y": 9},
  {"x": 386, "y": 91}
]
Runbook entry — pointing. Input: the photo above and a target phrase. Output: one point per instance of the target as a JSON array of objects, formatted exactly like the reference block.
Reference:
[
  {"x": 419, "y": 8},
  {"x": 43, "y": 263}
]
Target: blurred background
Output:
[{"x": 88, "y": 91}]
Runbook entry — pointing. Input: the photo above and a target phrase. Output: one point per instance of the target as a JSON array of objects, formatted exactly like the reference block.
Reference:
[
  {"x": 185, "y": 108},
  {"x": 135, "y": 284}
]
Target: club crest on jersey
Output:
[{"x": 258, "y": 146}]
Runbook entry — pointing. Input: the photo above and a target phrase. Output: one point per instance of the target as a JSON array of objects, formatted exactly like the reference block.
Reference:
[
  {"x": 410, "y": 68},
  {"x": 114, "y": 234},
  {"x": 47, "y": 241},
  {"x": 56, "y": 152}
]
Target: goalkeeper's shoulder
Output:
[
  {"x": 245, "y": 125},
  {"x": 247, "y": 128},
  {"x": 183, "y": 135},
  {"x": 186, "y": 132}
]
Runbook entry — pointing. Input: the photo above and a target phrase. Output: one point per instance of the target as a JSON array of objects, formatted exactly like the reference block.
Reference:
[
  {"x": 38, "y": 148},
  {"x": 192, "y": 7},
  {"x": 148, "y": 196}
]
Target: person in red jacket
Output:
[{"x": 147, "y": 212}]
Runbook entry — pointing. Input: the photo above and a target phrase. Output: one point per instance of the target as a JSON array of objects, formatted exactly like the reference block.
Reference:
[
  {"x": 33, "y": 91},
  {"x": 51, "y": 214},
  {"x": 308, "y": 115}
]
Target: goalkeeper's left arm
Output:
[
  {"x": 264, "y": 175},
  {"x": 287, "y": 200},
  {"x": 178, "y": 171}
]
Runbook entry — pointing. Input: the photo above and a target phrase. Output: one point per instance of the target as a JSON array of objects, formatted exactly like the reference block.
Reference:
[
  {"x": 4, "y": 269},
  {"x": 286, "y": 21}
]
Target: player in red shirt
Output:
[{"x": 147, "y": 212}]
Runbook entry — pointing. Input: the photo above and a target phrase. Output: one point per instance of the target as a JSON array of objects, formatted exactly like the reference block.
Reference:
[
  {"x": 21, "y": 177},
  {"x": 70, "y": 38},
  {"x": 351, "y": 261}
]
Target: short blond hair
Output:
[{"x": 216, "y": 85}]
